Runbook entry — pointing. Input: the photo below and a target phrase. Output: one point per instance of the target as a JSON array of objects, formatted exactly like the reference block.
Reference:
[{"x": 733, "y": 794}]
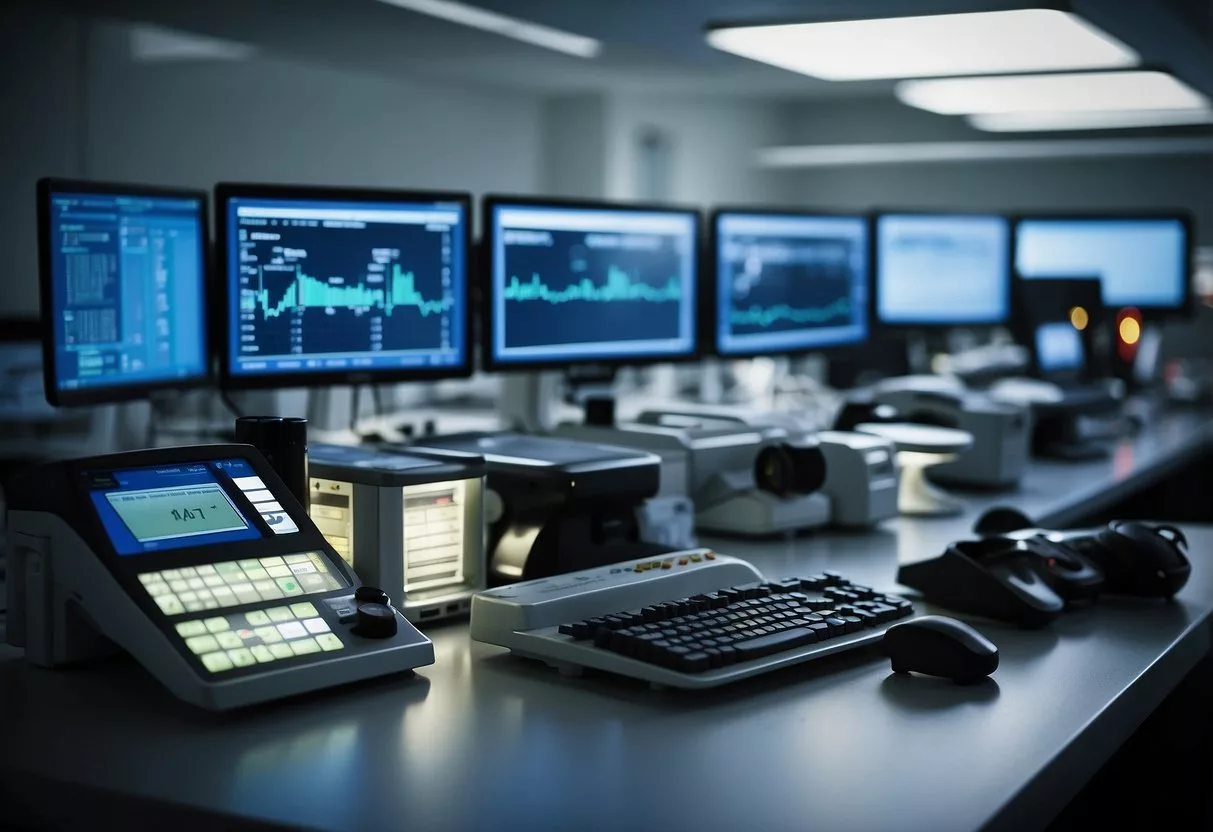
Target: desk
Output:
[{"x": 481, "y": 740}]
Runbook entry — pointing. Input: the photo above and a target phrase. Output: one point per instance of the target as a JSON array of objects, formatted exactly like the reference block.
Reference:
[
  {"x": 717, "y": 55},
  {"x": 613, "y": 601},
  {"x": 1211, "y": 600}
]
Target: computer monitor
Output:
[
  {"x": 1142, "y": 261},
  {"x": 942, "y": 270},
  {"x": 341, "y": 286},
  {"x": 123, "y": 281},
  {"x": 588, "y": 283},
  {"x": 788, "y": 282},
  {"x": 1059, "y": 350}
]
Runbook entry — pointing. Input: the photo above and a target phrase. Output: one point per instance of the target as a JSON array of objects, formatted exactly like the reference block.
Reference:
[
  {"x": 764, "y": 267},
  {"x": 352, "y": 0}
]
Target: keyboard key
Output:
[
  {"x": 217, "y": 662},
  {"x": 291, "y": 629},
  {"x": 289, "y": 586},
  {"x": 211, "y": 604},
  {"x": 187, "y": 572},
  {"x": 205, "y": 569},
  {"x": 179, "y": 586},
  {"x": 268, "y": 590},
  {"x": 248, "y": 596},
  {"x": 228, "y": 640},
  {"x": 267, "y": 634},
  {"x": 158, "y": 589},
  {"x": 202, "y": 644},
  {"x": 577, "y": 630},
  {"x": 329, "y": 642},
  {"x": 277, "y": 614},
  {"x": 774, "y": 643},
  {"x": 246, "y": 565},
  {"x": 193, "y": 606},
  {"x": 258, "y": 574},
  {"x": 150, "y": 578},
  {"x": 304, "y": 646},
  {"x": 304, "y": 609},
  {"x": 256, "y": 618},
  {"x": 190, "y": 628},
  {"x": 695, "y": 662},
  {"x": 229, "y": 570},
  {"x": 282, "y": 571},
  {"x": 196, "y": 583},
  {"x": 169, "y": 604},
  {"x": 217, "y": 625},
  {"x": 300, "y": 557},
  {"x": 281, "y": 650},
  {"x": 261, "y": 653},
  {"x": 224, "y": 595},
  {"x": 241, "y": 657},
  {"x": 212, "y": 581},
  {"x": 186, "y": 597},
  {"x": 266, "y": 563},
  {"x": 316, "y": 625}
]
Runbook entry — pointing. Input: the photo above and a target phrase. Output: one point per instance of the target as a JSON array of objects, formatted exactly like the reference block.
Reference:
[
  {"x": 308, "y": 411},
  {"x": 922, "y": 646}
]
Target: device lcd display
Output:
[
  {"x": 127, "y": 290},
  {"x": 1140, "y": 262},
  {"x": 591, "y": 284},
  {"x": 172, "y": 506},
  {"x": 943, "y": 269},
  {"x": 318, "y": 286},
  {"x": 790, "y": 283},
  {"x": 1059, "y": 347}
]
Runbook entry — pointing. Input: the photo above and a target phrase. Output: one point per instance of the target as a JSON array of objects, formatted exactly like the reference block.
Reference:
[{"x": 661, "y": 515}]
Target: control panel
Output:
[{"x": 200, "y": 563}]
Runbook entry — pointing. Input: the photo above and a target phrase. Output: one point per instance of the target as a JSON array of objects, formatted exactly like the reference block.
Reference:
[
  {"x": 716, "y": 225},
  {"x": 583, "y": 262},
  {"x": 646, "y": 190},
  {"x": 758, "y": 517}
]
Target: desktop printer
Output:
[
  {"x": 1002, "y": 431},
  {"x": 412, "y": 523},
  {"x": 748, "y": 479},
  {"x": 554, "y": 505}
]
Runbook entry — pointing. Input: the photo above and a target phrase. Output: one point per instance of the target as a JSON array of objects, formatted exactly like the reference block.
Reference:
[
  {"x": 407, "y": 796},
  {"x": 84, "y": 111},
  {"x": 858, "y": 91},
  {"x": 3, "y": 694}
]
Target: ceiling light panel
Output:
[
  {"x": 475, "y": 17},
  {"x": 1069, "y": 92},
  {"x": 980, "y": 43},
  {"x": 1098, "y": 120}
]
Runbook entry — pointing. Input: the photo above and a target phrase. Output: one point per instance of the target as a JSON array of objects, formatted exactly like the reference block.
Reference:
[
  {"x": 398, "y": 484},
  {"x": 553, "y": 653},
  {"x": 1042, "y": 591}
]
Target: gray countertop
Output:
[{"x": 482, "y": 740}]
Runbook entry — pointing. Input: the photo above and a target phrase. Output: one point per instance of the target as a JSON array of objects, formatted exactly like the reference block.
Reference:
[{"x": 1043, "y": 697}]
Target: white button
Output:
[
  {"x": 179, "y": 586},
  {"x": 282, "y": 571},
  {"x": 274, "y": 561},
  {"x": 206, "y": 569},
  {"x": 259, "y": 496},
  {"x": 216, "y": 662},
  {"x": 241, "y": 657},
  {"x": 150, "y": 578},
  {"x": 305, "y": 646},
  {"x": 186, "y": 629},
  {"x": 158, "y": 589},
  {"x": 248, "y": 483},
  {"x": 303, "y": 568},
  {"x": 216, "y": 625},
  {"x": 316, "y": 625},
  {"x": 292, "y": 629},
  {"x": 187, "y": 597},
  {"x": 188, "y": 572},
  {"x": 169, "y": 604},
  {"x": 202, "y": 644},
  {"x": 261, "y": 653},
  {"x": 228, "y": 640},
  {"x": 213, "y": 580}
]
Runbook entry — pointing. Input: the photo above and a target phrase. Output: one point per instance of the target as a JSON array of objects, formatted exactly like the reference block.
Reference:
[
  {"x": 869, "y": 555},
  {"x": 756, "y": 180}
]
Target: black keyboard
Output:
[{"x": 740, "y": 624}]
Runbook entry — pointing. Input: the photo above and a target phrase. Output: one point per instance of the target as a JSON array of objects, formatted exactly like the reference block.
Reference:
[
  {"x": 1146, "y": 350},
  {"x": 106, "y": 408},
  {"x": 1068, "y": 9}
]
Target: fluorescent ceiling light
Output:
[
  {"x": 1120, "y": 119},
  {"x": 1071, "y": 92},
  {"x": 499, "y": 24},
  {"x": 1022, "y": 40},
  {"x": 846, "y": 155}
]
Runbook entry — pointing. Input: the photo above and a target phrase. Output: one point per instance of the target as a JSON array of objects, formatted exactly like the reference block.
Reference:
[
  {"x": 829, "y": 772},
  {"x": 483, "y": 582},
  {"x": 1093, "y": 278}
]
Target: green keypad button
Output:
[
  {"x": 256, "y": 618},
  {"x": 280, "y": 614},
  {"x": 241, "y": 657},
  {"x": 281, "y": 650},
  {"x": 246, "y": 565},
  {"x": 329, "y": 642},
  {"x": 268, "y": 634},
  {"x": 169, "y": 605},
  {"x": 304, "y": 609},
  {"x": 262, "y": 653},
  {"x": 202, "y": 644},
  {"x": 217, "y": 662},
  {"x": 303, "y": 646},
  {"x": 216, "y": 625},
  {"x": 226, "y": 569},
  {"x": 229, "y": 640},
  {"x": 191, "y": 628},
  {"x": 289, "y": 586}
]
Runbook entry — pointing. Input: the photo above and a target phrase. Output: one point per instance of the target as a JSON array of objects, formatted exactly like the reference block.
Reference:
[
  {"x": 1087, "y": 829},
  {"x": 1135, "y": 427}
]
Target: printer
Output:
[{"x": 1001, "y": 430}]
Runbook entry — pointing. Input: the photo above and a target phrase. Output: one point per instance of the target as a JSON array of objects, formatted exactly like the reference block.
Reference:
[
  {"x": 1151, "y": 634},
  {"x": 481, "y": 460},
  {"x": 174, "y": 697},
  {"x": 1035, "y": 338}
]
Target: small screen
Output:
[
  {"x": 942, "y": 270},
  {"x": 592, "y": 284},
  {"x": 175, "y": 506},
  {"x": 1140, "y": 262},
  {"x": 1059, "y": 348},
  {"x": 127, "y": 290},
  {"x": 334, "y": 287},
  {"x": 790, "y": 282}
]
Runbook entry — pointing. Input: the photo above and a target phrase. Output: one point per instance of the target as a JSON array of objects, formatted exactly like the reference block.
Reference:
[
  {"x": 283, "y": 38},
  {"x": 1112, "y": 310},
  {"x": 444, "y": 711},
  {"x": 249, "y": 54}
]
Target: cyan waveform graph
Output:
[
  {"x": 307, "y": 292},
  {"x": 380, "y": 295},
  {"x": 812, "y": 287},
  {"x": 571, "y": 293}
]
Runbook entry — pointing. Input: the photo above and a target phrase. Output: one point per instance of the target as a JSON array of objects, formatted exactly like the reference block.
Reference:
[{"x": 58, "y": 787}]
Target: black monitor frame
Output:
[
  {"x": 112, "y": 394},
  {"x": 710, "y": 278},
  {"x": 1183, "y": 216},
  {"x": 221, "y": 317},
  {"x": 489, "y": 245},
  {"x": 876, "y": 324}
]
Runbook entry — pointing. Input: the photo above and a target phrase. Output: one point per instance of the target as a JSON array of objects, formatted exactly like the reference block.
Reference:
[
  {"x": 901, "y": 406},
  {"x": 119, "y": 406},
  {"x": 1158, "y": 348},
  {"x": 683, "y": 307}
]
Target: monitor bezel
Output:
[
  {"x": 488, "y": 245},
  {"x": 225, "y": 191},
  {"x": 1185, "y": 217},
  {"x": 115, "y": 393},
  {"x": 711, "y": 309},
  {"x": 935, "y": 326}
]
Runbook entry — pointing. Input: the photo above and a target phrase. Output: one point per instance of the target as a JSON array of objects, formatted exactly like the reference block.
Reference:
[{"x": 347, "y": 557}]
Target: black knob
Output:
[
  {"x": 371, "y": 595},
  {"x": 376, "y": 621}
]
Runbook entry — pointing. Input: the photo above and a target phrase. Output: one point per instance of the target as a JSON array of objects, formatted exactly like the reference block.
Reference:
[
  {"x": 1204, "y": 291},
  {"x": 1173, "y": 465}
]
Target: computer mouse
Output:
[
  {"x": 1064, "y": 570},
  {"x": 1001, "y": 520},
  {"x": 940, "y": 646},
  {"x": 1140, "y": 559}
]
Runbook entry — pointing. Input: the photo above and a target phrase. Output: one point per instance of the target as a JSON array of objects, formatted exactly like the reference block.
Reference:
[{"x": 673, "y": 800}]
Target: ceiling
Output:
[{"x": 649, "y": 45}]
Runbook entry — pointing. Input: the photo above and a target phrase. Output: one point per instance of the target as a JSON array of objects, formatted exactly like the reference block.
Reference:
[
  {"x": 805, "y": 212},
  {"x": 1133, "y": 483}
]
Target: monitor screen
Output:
[
  {"x": 323, "y": 289},
  {"x": 789, "y": 282},
  {"x": 1059, "y": 348},
  {"x": 1141, "y": 262},
  {"x": 124, "y": 290},
  {"x": 173, "y": 506},
  {"x": 943, "y": 269},
  {"x": 590, "y": 284}
]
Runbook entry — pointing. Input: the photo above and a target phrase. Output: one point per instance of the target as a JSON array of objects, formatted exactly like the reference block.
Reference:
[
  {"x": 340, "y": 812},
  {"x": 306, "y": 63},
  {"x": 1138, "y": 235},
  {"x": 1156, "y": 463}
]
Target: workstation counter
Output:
[{"x": 481, "y": 740}]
